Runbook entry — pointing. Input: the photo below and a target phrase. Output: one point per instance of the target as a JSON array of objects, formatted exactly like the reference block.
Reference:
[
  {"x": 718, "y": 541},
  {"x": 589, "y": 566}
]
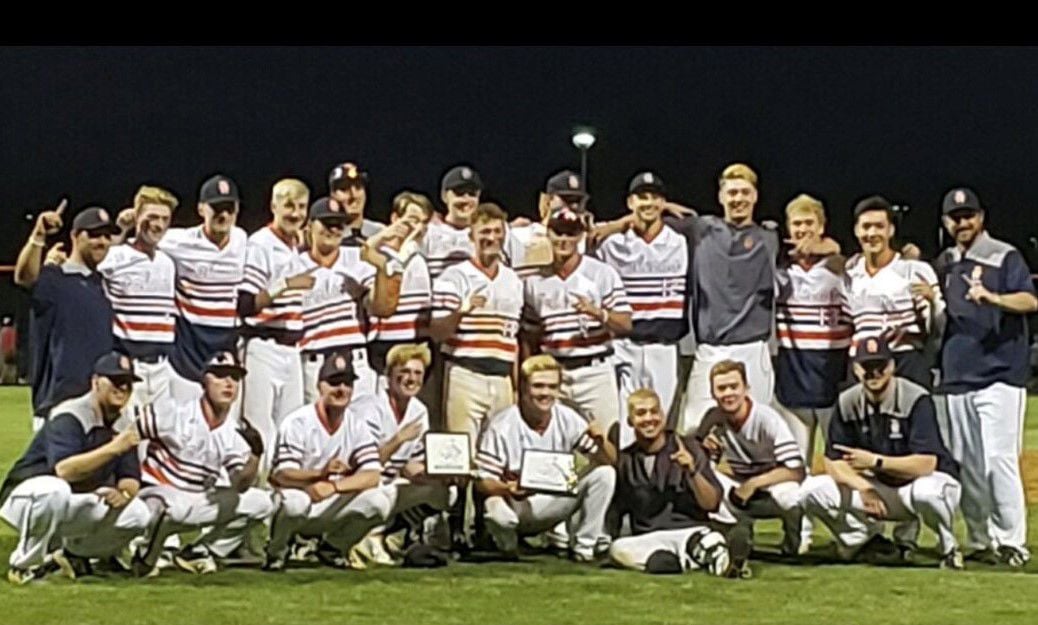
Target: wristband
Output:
[
  {"x": 605, "y": 316},
  {"x": 277, "y": 287},
  {"x": 37, "y": 243}
]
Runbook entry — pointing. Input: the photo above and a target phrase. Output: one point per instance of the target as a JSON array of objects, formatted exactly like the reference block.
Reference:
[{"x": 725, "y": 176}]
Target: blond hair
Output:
[
  {"x": 488, "y": 211},
  {"x": 290, "y": 188},
  {"x": 401, "y": 354},
  {"x": 640, "y": 395},
  {"x": 406, "y": 198},
  {"x": 539, "y": 363},
  {"x": 728, "y": 366},
  {"x": 154, "y": 195},
  {"x": 738, "y": 171},
  {"x": 804, "y": 203}
]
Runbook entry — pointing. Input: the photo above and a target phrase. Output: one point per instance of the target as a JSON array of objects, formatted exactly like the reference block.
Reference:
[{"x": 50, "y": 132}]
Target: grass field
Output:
[{"x": 540, "y": 591}]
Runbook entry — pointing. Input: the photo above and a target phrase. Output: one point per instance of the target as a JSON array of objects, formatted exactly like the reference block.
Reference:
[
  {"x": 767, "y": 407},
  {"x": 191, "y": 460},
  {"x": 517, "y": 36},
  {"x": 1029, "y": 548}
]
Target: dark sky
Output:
[{"x": 840, "y": 123}]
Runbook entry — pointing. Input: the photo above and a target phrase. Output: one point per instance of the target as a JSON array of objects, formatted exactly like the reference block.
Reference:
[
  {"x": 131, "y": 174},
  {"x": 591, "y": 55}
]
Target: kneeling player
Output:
[
  {"x": 200, "y": 465},
  {"x": 666, "y": 486}
]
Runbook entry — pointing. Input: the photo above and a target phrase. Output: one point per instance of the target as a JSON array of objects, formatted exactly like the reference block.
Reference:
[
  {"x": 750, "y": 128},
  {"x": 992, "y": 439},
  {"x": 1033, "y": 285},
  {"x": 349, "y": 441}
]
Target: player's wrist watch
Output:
[{"x": 878, "y": 464}]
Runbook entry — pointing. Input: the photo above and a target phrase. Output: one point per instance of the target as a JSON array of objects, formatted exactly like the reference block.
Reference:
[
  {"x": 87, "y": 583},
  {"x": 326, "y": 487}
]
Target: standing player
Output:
[
  {"x": 527, "y": 248},
  {"x": 348, "y": 186},
  {"x": 76, "y": 484},
  {"x": 540, "y": 422},
  {"x": 884, "y": 460},
  {"x": 652, "y": 259},
  {"x": 572, "y": 311},
  {"x": 210, "y": 260},
  {"x": 448, "y": 243},
  {"x": 140, "y": 280},
  {"x": 984, "y": 369},
  {"x": 199, "y": 470},
  {"x": 760, "y": 451},
  {"x": 270, "y": 300}
]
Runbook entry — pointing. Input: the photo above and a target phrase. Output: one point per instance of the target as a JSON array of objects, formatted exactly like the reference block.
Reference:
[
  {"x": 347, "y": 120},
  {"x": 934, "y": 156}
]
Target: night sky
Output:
[{"x": 94, "y": 123}]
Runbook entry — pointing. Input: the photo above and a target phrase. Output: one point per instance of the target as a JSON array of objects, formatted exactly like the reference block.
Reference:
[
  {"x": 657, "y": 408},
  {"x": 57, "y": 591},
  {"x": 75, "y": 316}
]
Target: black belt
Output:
[
  {"x": 152, "y": 359},
  {"x": 581, "y": 361},
  {"x": 348, "y": 352},
  {"x": 288, "y": 339}
]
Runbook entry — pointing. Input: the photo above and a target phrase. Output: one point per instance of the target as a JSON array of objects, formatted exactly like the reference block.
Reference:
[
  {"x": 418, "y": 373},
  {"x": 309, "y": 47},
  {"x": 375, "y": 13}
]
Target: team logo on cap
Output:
[
  {"x": 466, "y": 173},
  {"x": 340, "y": 363},
  {"x": 103, "y": 214},
  {"x": 871, "y": 346},
  {"x": 224, "y": 358},
  {"x": 647, "y": 179},
  {"x": 960, "y": 197},
  {"x": 223, "y": 186},
  {"x": 573, "y": 182},
  {"x": 124, "y": 362},
  {"x": 333, "y": 205},
  {"x": 351, "y": 170}
]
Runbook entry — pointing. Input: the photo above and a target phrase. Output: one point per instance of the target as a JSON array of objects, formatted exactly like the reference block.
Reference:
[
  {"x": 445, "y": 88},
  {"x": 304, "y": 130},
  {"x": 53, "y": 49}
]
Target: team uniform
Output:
[
  {"x": 45, "y": 509},
  {"x": 306, "y": 441},
  {"x": 334, "y": 320},
  {"x": 499, "y": 457},
  {"x": 655, "y": 278},
  {"x": 763, "y": 442},
  {"x": 273, "y": 386},
  {"x": 411, "y": 318},
  {"x": 653, "y": 491},
  {"x": 481, "y": 356},
  {"x": 581, "y": 344},
  {"x": 904, "y": 423},
  {"x": 883, "y": 305},
  {"x": 207, "y": 284},
  {"x": 141, "y": 290},
  {"x": 733, "y": 293},
  {"x": 187, "y": 471},
  {"x": 984, "y": 370},
  {"x": 444, "y": 246}
]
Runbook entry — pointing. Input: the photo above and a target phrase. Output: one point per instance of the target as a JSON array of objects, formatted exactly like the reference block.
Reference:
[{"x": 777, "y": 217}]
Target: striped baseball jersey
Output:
[
  {"x": 762, "y": 443},
  {"x": 333, "y": 310},
  {"x": 548, "y": 309},
  {"x": 384, "y": 421},
  {"x": 655, "y": 277},
  {"x": 814, "y": 332},
  {"x": 307, "y": 441},
  {"x": 883, "y": 303},
  {"x": 206, "y": 293},
  {"x": 412, "y": 312},
  {"x": 485, "y": 339},
  {"x": 141, "y": 290},
  {"x": 499, "y": 455},
  {"x": 269, "y": 258},
  {"x": 185, "y": 450},
  {"x": 445, "y": 245}
]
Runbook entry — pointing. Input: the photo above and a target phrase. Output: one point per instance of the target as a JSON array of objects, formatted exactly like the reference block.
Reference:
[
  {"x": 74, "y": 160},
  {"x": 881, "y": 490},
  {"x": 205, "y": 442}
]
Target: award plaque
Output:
[
  {"x": 447, "y": 454},
  {"x": 548, "y": 472}
]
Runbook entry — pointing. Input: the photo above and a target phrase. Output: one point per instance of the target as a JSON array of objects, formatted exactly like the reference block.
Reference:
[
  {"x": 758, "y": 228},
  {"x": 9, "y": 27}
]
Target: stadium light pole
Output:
[{"x": 583, "y": 138}]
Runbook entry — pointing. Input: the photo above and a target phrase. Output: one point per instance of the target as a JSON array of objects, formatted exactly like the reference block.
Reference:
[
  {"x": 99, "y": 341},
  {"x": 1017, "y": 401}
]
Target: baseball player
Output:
[
  {"x": 540, "y": 422},
  {"x": 527, "y": 249},
  {"x": 448, "y": 243},
  {"x": 884, "y": 462},
  {"x": 348, "y": 186},
  {"x": 891, "y": 296},
  {"x": 198, "y": 473},
  {"x": 140, "y": 279},
  {"x": 326, "y": 470},
  {"x": 652, "y": 260},
  {"x": 70, "y": 321},
  {"x": 76, "y": 484},
  {"x": 764, "y": 459},
  {"x": 270, "y": 300},
  {"x": 984, "y": 370},
  {"x": 572, "y": 310},
  {"x": 666, "y": 486},
  {"x": 210, "y": 261}
]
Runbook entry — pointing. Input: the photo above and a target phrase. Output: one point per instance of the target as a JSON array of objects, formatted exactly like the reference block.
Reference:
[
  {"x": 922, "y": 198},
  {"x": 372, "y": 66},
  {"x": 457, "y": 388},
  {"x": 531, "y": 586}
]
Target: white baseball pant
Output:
[
  {"x": 783, "y": 503},
  {"x": 632, "y": 552},
  {"x": 343, "y": 519},
  {"x": 272, "y": 389}
]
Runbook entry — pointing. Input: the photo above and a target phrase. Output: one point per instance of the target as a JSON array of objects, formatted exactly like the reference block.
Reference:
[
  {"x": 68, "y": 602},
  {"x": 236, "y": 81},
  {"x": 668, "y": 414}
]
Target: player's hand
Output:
[
  {"x": 677, "y": 210},
  {"x": 584, "y": 305},
  {"x": 911, "y": 251},
  {"x": 475, "y": 300},
  {"x": 745, "y": 491},
  {"x": 112, "y": 496},
  {"x": 978, "y": 294},
  {"x": 56, "y": 255},
  {"x": 49, "y": 222},
  {"x": 859, "y": 459},
  {"x": 319, "y": 491},
  {"x": 874, "y": 506},
  {"x": 127, "y": 439},
  {"x": 252, "y": 437},
  {"x": 516, "y": 493},
  {"x": 126, "y": 219},
  {"x": 595, "y": 432},
  {"x": 923, "y": 290},
  {"x": 683, "y": 457},
  {"x": 713, "y": 445},
  {"x": 410, "y": 431},
  {"x": 335, "y": 466},
  {"x": 302, "y": 281}
]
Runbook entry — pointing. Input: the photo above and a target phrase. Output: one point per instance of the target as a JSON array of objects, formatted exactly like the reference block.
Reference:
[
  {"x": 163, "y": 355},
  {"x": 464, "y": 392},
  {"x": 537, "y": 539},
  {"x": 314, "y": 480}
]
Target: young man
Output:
[
  {"x": 199, "y": 470},
  {"x": 884, "y": 462},
  {"x": 527, "y": 249},
  {"x": 348, "y": 186},
  {"x": 76, "y": 484},
  {"x": 540, "y": 422},
  {"x": 984, "y": 370},
  {"x": 448, "y": 243}
]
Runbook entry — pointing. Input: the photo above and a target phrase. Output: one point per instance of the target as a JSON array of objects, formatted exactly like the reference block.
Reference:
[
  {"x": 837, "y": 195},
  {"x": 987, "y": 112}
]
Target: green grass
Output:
[{"x": 542, "y": 591}]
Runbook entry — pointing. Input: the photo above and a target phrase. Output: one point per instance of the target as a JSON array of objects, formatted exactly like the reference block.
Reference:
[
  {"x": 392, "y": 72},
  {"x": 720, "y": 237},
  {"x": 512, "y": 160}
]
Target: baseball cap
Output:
[
  {"x": 326, "y": 209},
  {"x": 337, "y": 366},
  {"x": 115, "y": 365},
  {"x": 960, "y": 199},
  {"x": 873, "y": 203},
  {"x": 94, "y": 219},
  {"x": 223, "y": 364},
  {"x": 871, "y": 349},
  {"x": 646, "y": 182},
  {"x": 461, "y": 177},
  {"x": 218, "y": 188},
  {"x": 347, "y": 174},
  {"x": 565, "y": 183}
]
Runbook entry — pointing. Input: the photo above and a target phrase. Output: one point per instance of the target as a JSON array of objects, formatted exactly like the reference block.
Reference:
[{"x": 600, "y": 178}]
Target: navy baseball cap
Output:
[
  {"x": 646, "y": 182},
  {"x": 115, "y": 365},
  {"x": 961, "y": 199},
  {"x": 566, "y": 183},
  {"x": 326, "y": 209},
  {"x": 461, "y": 177},
  {"x": 337, "y": 367},
  {"x": 873, "y": 203},
  {"x": 347, "y": 175},
  {"x": 218, "y": 188},
  {"x": 871, "y": 349},
  {"x": 222, "y": 364},
  {"x": 94, "y": 219}
]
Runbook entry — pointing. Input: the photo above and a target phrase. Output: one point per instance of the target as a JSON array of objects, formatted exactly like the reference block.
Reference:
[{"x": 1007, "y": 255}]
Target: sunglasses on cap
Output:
[
  {"x": 100, "y": 233},
  {"x": 466, "y": 191},
  {"x": 121, "y": 382},
  {"x": 224, "y": 207},
  {"x": 339, "y": 380}
]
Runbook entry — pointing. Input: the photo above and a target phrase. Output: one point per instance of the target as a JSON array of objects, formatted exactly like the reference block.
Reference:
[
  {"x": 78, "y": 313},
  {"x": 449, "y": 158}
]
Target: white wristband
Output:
[{"x": 277, "y": 287}]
